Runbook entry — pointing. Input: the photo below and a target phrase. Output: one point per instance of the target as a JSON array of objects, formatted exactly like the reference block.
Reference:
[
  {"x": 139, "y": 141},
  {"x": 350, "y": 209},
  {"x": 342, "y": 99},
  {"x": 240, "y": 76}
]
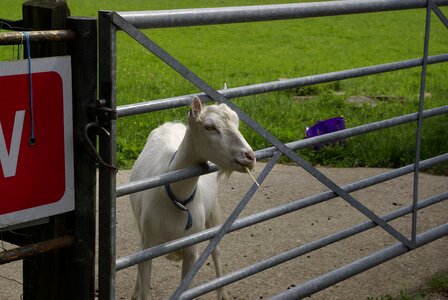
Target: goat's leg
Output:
[
  {"x": 190, "y": 256},
  {"x": 222, "y": 294},
  {"x": 212, "y": 221},
  {"x": 136, "y": 289},
  {"x": 142, "y": 290}
]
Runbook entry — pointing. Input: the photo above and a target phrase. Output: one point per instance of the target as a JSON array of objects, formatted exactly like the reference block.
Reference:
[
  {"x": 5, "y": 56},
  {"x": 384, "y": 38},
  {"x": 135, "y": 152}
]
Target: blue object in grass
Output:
[{"x": 324, "y": 127}]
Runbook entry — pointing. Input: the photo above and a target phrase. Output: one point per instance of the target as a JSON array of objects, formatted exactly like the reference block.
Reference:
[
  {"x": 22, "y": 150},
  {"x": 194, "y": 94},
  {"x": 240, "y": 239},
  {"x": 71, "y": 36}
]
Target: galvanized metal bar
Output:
[
  {"x": 304, "y": 249},
  {"x": 439, "y": 14},
  {"x": 203, "y": 86},
  {"x": 148, "y": 183},
  {"x": 240, "y": 14},
  {"x": 261, "y": 88},
  {"x": 107, "y": 147},
  {"x": 37, "y": 248},
  {"x": 170, "y": 177},
  {"x": 17, "y": 37},
  {"x": 419, "y": 128},
  {"x": 168, "y": 247},
  {"x": 359, "y": 266}
]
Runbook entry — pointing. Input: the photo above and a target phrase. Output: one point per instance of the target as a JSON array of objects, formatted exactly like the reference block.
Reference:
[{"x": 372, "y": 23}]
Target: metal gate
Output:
[{"x": 131, "y": 22}]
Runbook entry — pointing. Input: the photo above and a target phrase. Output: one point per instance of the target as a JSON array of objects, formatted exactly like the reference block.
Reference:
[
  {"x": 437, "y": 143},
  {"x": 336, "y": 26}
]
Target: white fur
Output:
[{"x": 212, "y": 135}]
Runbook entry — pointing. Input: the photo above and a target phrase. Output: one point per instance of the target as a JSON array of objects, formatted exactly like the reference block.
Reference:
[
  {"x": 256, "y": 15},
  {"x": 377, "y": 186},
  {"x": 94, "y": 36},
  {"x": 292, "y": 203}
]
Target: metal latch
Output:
[{"x": 103, "y": 112}]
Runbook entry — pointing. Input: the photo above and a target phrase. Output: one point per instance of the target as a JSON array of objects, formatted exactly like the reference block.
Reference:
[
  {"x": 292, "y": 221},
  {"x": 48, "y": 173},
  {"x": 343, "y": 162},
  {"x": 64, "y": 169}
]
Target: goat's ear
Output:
[{"x": 196, "y": 108}]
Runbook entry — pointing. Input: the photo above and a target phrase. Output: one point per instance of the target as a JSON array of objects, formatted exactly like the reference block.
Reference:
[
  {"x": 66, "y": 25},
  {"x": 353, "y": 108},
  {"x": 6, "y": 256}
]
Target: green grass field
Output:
[
  {"x": 436, "y": 287},
  {"x": 242, "y": 54}
]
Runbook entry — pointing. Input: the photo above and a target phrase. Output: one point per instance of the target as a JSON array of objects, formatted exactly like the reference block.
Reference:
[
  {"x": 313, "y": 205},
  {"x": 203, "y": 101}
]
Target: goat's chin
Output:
[
  {"x": 225, "y": 174},
  {"x": 236, "y": 167}
]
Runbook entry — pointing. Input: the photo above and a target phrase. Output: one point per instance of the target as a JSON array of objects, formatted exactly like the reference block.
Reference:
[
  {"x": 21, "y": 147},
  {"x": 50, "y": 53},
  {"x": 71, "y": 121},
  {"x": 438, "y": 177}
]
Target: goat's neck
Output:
[{"x": 185, "y": 157}]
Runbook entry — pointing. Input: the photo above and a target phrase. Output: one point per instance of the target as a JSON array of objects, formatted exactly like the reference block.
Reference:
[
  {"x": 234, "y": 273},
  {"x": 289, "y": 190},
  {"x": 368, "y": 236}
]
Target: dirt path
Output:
[
  {"x": 259, "y": 242},
  {"x": 288, "y": 183}
]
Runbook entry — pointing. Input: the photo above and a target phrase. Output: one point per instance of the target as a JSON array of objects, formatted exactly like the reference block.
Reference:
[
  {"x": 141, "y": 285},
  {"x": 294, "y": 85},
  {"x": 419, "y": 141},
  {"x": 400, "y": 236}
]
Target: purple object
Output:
[{"x": 324, "y": 127}]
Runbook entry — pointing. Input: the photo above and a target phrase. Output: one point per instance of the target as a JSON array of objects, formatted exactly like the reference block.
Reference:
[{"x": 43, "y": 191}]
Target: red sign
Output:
[{"x": 36, "y": 176}]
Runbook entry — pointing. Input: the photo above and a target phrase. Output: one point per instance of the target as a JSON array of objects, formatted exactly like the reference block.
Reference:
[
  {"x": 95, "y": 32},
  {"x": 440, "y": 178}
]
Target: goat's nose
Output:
[{"x": 250, "y": 155}]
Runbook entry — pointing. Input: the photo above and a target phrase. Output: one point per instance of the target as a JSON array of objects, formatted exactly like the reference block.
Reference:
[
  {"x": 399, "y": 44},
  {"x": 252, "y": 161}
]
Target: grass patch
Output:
[
  {"x": 242, "y": 54},
  {"x": 435, "y": 288}
]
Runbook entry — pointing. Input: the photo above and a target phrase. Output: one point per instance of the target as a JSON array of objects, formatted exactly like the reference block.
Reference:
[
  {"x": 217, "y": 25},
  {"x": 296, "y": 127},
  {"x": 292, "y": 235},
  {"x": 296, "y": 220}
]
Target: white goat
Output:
[{"x": 188, "y": 206}]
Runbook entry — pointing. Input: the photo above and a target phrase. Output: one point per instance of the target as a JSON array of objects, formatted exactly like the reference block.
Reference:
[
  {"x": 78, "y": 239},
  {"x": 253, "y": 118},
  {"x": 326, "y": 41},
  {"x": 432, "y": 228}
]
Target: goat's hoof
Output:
[{"x": 222, "y": 295}]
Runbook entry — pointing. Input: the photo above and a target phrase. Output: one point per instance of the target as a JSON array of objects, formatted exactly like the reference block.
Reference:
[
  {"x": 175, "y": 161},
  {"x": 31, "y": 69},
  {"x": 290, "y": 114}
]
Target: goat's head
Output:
[{"x": 217, "y": 138}]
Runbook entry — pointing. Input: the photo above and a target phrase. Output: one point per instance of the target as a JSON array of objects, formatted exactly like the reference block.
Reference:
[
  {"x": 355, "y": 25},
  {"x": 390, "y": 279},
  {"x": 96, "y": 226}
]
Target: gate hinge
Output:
[{"x": 102, "y": 111}]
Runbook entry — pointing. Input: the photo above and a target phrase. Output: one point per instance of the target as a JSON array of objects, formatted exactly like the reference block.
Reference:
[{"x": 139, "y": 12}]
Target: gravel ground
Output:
[{"x": 247, "y": 246}]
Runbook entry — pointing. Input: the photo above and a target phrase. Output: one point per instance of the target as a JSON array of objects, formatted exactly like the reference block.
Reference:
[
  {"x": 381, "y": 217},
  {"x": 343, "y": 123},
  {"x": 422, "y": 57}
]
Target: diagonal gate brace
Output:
[{"x": 438, "y": 13}]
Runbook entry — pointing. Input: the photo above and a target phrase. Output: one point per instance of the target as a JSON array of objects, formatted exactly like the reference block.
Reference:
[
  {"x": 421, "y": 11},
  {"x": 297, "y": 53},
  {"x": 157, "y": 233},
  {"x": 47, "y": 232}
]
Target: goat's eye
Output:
[{"x": 210, "y": 127}]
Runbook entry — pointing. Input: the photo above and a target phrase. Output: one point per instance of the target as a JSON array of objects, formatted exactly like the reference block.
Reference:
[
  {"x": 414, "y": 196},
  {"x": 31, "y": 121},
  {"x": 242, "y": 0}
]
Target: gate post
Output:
[
  {"x": 83, "y": 51},
  {"x": 107, "y": 147},
  {"x": 69, "y": 273},
  {"x": 42, "y": 15},
  {"x": 47, "y": 276}
]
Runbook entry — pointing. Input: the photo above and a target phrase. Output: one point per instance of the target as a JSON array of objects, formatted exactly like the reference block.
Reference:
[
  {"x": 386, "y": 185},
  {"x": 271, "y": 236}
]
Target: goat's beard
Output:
[{"x": 224, "y": 174}]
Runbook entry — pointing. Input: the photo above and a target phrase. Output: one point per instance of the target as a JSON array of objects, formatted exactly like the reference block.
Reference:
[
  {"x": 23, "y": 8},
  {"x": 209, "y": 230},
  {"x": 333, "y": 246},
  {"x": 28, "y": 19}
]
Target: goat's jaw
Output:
[
  {"x": 241, "y": 165},
  {"x": 236, "y": 166}
]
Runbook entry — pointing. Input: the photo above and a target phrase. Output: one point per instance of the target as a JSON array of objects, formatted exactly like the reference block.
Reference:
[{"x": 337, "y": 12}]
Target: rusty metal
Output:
[
  {"x": 35, "y": 249},
  {"x": 17, "y": 37}
]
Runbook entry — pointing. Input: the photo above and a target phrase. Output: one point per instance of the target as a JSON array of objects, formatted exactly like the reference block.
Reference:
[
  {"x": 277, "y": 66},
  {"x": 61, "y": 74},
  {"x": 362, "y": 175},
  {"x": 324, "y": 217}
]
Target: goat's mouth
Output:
[{"x": 242, "y": 165}]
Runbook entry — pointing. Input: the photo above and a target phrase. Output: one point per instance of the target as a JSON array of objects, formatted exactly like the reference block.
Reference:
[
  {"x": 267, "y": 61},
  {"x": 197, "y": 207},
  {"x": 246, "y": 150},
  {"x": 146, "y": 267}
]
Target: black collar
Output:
[{"x": 181, "y": 204}]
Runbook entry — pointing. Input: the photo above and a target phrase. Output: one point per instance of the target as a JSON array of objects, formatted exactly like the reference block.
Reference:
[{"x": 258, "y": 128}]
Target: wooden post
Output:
[
  {"x": 69, "y": 273},
  {"x": 42, "y": 272},
  {"x": 46, "y": 14}
]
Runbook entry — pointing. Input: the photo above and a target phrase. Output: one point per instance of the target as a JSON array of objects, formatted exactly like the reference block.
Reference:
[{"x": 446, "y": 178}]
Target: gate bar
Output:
[
  {"x": 17, "y": 37},
  {"x": 107, "y": 146},
  {"x": 439, "y": 14},
  {"x": 241, "y": 14},
  {"x": 255, "y": 89},
  {"x": 37, "y": 248},
  {"x": 419, "y": 127},
  {"x": 361, "y": 265},
  {"x": 304, "y": 249},
  {"x": 147, "y": 183},
  {"x": 168, "y": 247}
]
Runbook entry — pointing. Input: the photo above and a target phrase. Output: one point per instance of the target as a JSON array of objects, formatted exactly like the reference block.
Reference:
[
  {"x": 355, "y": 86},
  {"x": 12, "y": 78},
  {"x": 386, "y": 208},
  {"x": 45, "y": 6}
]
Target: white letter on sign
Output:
[{"x": 9, "y": 160}]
